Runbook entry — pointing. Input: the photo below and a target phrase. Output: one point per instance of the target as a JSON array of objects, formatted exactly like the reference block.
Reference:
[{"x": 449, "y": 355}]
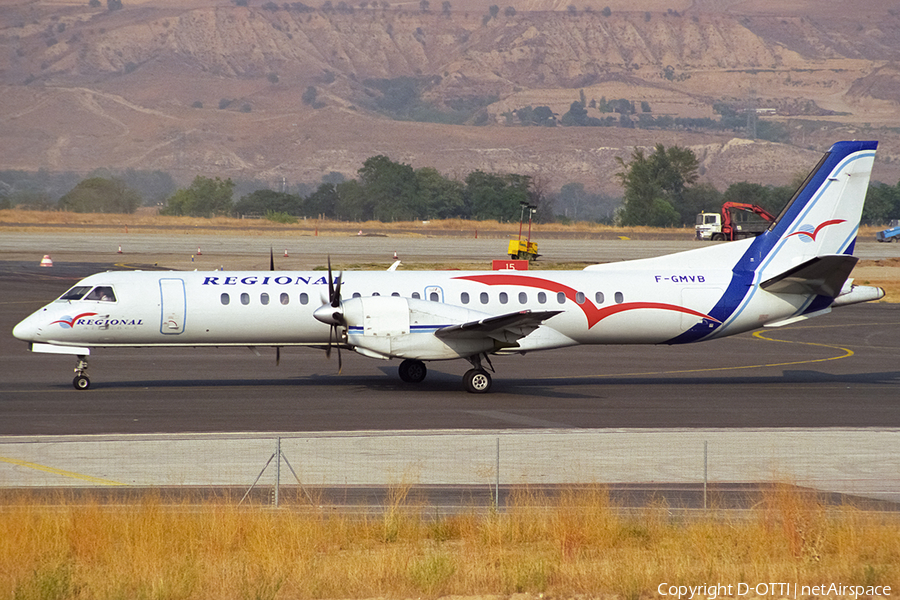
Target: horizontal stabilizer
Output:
[
  {"x": 519, "y": 323},
  {"x": 821, "y": 276}
]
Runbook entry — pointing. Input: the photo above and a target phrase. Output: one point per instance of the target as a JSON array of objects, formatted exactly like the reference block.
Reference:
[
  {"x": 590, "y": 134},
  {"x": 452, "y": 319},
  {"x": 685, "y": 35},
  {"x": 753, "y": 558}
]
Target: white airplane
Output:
[{"x": 795, "y": 270}]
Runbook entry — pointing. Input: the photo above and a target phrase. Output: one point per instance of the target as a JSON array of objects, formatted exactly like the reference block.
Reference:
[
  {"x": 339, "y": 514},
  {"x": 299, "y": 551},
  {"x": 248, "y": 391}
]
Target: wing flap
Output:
[
  {"x": 822, "y": 276},
  {"x": 504, "y": 328}
]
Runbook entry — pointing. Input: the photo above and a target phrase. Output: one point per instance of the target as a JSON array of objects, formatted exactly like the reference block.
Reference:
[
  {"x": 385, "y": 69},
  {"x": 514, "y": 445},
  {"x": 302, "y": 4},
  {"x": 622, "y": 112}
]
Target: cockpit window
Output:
[
  {"x": 75, "y": 293},
  {"x": 103, "y": 293}
]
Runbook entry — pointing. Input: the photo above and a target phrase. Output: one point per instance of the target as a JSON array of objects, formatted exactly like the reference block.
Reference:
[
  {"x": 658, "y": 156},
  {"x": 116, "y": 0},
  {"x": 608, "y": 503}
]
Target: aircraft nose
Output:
[{"x": 27, "y": 330}]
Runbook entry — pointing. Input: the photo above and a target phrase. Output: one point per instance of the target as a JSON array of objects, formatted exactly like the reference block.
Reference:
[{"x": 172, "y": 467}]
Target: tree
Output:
[
  {"x": 204, "y": 198},
  {"x": 441, "y": 198},
  {"x": 352, "y": 203},
  {"x": 492, "y": 196},
  {"x": 697, "y": 199},
  {"x": 654, "y": 186},
  {"x": 882, "y": 203},
  {"x": 101, "y": 195},
  {"x": 323, "y": 202},
  {"x": 578, "y": 116},
  {"x": 261, "y": 202},
  {"x": 309, "y": 96},
  {"x": 390, "y": 188}
]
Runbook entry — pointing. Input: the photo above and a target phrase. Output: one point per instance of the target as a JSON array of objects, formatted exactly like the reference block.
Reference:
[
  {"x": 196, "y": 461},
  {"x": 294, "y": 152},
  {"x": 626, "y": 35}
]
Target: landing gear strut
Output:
[
  {"x": 81, "y": 381},
  {"x": 477, "y": 380}
]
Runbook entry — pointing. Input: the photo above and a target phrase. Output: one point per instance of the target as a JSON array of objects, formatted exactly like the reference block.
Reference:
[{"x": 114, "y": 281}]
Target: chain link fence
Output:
[{"x": 863, "y": 462}]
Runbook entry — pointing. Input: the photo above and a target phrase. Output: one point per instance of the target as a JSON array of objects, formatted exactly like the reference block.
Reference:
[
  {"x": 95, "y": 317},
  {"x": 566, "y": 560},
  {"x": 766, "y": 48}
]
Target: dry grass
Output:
[
  {"x": 576, "y": 543},
  {"x": 149, "y": 219}
]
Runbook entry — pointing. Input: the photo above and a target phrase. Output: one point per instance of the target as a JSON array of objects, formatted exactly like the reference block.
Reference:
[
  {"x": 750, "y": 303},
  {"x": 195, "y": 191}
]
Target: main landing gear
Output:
[
  {"x": 476, "y": 380},
  {"x": 81, "y": 381},
  {"x": 412, "y": 371}
]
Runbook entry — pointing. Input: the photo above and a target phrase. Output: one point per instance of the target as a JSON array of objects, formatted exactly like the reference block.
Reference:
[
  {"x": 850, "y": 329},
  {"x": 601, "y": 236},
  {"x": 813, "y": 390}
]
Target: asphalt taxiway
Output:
[
  {"x": 838, "y": 370},
  {"x": 824, "y": 390}
]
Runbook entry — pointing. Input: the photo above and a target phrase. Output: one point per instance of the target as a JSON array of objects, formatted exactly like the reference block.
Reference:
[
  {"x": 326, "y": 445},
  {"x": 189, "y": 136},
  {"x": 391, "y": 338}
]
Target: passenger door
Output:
[{"x": 173, "y": 306}]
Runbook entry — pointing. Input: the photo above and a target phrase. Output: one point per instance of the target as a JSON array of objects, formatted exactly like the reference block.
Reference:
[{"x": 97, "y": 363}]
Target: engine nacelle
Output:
[{"x": 396, "y": 327}]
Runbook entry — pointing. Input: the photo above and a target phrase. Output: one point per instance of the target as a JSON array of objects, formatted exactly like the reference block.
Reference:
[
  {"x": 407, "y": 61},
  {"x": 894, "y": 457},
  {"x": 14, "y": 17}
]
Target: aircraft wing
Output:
[
  {"x": 506, "y": 329},
  {"x": 823, "y": 275}
]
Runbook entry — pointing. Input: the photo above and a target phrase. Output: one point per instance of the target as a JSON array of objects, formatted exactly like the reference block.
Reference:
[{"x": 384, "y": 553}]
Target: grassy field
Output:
[{"x": 575, "y": 545}]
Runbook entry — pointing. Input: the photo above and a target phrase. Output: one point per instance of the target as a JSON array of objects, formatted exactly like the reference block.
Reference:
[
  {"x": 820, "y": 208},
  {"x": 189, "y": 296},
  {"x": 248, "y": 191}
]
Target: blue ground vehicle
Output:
[{"x": 891, "y": 234}]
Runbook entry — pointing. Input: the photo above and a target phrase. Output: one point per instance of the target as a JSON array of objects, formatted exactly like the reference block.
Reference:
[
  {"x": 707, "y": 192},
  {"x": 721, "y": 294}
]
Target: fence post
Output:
[
  {"x": 277, "y": 471},
  {"x": 705, "y": 469},
  {"x": 497, "y": 480}
]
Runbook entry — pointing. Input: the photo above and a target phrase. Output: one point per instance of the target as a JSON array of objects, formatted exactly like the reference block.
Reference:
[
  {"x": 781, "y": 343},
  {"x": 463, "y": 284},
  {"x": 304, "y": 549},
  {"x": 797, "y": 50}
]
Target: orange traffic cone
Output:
[
  {"x": 46, "y": 262},
  {"x": 198, "y": 251},
  {"x": 120, "y": 249},
  {"x": 285, "y": 253}
]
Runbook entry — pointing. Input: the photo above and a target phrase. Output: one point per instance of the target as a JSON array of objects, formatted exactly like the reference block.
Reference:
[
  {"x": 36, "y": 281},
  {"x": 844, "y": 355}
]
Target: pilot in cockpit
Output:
[{"x": 101, "y": 293}]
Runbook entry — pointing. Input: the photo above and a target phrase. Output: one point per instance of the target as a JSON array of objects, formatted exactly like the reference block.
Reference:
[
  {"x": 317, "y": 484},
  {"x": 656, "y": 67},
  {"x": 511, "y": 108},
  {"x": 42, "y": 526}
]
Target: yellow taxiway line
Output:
[{"x": 61, "y": 472}]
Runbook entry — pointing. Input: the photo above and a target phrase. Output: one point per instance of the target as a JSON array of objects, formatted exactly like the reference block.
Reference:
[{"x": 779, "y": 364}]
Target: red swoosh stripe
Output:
[
  {"x": 74, "y": 319},
  {"x": 818, "y": 229},
  {"x": 591, "y": 311}
]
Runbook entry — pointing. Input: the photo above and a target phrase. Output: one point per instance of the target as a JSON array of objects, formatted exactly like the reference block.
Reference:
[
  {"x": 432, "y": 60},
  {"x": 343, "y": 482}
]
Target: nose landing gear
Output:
[{"x": 81, "y": 381}]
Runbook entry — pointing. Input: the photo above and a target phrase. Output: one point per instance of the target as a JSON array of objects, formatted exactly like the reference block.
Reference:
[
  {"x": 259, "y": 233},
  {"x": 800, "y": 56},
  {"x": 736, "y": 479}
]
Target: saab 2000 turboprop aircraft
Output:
[{"x": 797, "y": 269}]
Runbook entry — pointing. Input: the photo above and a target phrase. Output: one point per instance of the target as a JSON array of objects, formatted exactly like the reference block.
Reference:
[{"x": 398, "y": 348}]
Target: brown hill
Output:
[{"x": 89, "y": 87}]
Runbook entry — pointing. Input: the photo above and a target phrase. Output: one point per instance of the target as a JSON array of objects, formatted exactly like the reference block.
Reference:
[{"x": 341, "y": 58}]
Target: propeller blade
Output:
[
  {"x": 277, "y": 355},
  {"x": 271, "y": 259},
  {"x": 328, "y": 347},
  {"x": 330, "y": 283},
  {"x": 340, "y": 364},
  {"x": 337, "y": 291}
]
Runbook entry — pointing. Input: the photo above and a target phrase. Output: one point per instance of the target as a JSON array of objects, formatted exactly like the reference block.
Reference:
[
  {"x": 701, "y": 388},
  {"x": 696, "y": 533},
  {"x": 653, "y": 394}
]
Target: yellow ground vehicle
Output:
[{"x": 524, "y": 249}]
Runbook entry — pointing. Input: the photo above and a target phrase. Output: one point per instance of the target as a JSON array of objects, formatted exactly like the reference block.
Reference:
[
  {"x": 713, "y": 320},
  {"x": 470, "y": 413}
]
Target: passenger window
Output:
[
  {"x": 523, "y": 298},
  {"x": 503, "y": 298},
  {"x": 464, "y": 297},
  {"x": 542, "y": 298},
  {"x": 395, "y": 294},
  {"x": 102, "y": 293},
  {"x": 285, "y": 298},
  {"x": 484, "y": 297},
  {"x": 598, "y": 297},
  {"x": 264, "y": 298},
  {"x": 226, "y": 300},
  {"x": 245, "y": 298},
  {"x": 619, "y": 298},
  {"x": 434, "y": 296},
  {"x": 304, "y": 298},
  {"x": 416, "y": 296},
  {"x": 579, "y": 297},
  {"x": 355, "y": 295},
  {"x": 75, "y": 293},
  {"x": 561, "y": 297},
  {"x": 375, "y": 294}
]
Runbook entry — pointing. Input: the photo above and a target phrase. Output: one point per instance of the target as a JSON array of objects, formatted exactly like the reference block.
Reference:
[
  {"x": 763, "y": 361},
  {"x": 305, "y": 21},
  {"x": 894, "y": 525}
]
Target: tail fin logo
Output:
[{"x": 807, "y": 233}]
